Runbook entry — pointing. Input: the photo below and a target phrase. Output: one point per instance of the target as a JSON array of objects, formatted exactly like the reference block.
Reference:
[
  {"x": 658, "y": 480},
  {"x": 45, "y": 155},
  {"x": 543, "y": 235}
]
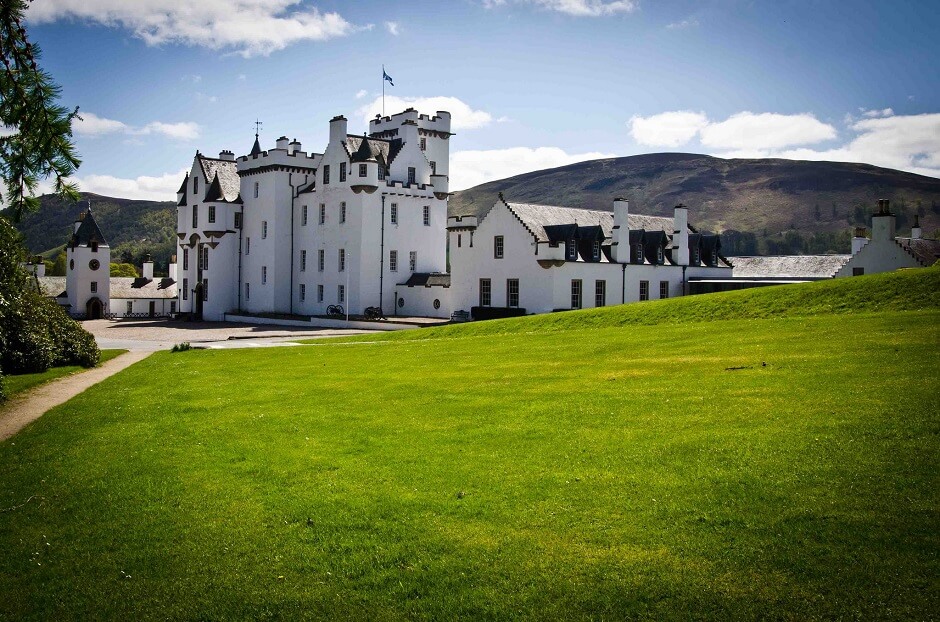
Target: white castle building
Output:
[{"x": 284, "y": 231}]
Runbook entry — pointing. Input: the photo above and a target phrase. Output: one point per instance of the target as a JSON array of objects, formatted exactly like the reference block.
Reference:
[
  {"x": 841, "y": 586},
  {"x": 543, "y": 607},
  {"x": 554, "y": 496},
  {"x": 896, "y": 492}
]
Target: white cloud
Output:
[
  {"x": 577, "y": 8},
  {"x": 250, "y": 27},
  {"x": 90, "y": 124},
  {"x": 746, "y": 130},
  {"x": 394, "y": 28},
  {"x": 463, "y": 117},
  {"x": 686, "y": 23},
  {"x": 146, "y": 188},
  {"x": 471, "y": 168},
  {"x": 361, "y": 93},
  {"x": 887, "y": 112},
  {"x": 667, "y": 129}
]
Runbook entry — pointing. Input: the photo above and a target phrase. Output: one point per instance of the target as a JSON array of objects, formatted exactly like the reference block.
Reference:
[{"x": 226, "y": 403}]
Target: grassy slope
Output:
[
  {"x": 609, "y": 472},
  {"x": 24, "y": 382}
]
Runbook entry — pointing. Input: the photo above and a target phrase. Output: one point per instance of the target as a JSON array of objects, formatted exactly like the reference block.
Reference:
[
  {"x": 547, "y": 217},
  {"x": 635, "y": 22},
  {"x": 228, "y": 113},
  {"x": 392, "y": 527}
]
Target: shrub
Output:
[{"x": 181, "y": 347}]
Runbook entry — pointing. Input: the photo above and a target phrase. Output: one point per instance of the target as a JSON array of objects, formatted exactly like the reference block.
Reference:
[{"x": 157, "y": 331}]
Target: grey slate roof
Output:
[
  {"x": 420, "y": 279},
  {"x": 791, "y": 266},
  {"x": 536, "y": 218},
  {"x": 129, "y": 287},
  {"x": 926, "y": 251},
  {"x": 87, "y": 232},
  {"x": 384, "y": 151},
  {"x": 227, "y": 173},
  {"x": 52, "y": 286}
]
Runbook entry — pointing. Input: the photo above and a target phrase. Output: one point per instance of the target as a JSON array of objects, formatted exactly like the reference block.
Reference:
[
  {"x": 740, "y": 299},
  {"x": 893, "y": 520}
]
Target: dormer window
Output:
[
  {"x": 596, "y": 250},
  {"x": 572, "y": 250},
  {"x": 382, "y": 173},
  {"x": 696, "y": 256},
  {"x": 639, "y": 253},
  {"x": 659, "y": 254}
]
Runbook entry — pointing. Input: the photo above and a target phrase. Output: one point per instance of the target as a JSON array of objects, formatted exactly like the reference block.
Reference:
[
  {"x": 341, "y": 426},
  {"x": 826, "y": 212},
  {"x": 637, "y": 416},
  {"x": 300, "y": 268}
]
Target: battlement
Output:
[
  {"x": 440, "y": 122},
  {"x": 287, "y": 157}
]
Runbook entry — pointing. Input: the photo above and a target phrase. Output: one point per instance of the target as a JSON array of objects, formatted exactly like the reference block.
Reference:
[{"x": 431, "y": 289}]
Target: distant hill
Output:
[
  {"x": 769, "y": 205},
  {"x": 132, "y": 228}
]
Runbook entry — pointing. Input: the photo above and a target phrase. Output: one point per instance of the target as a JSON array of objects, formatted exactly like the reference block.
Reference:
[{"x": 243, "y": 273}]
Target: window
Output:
[
  {"x": 575, "y": 293},
  {"x": 644, "y": 290},
  {"x": 696, "y": 256},
  {"x": 498, "y": 247},
  {"x": 858, "y": 271},
  {"x": 264, "y": 229},
  {"x": 572, "y": 250},
  {"x": 393, "y": 261},
  {"x": 459, "y": 240},
  {"x": 205, "y": 289},
  {"x": 426, "y": 215},
  {"x": 247, "y": 245},
  {"x": 600, "y": 293},
  {"x": 256, "y": 189},
  {"x": 185, "y": 289},
  {"x": 326, "y": 173},
  {"x": 411, "y": 175},
  {"x": 659, "y": 254},
  {"x": 247, "y": 291},
  {"x": 303, "y": 261},
  {"x": 341, "y": 294},
  {"x": 173, "y": 306},
  {"x": 319, "y": 293},
  {"x": 512, "y": 292},
  {"x": 321, "y": 259},
  {"x": 639, "y": 253},
  {"x": 342, "y": 259},
  {"x": 303, "y": 216},
  {"x": 342, "y": 171},
  {"x": 363, "y": 170},
  {"x": 195, "y": 216},
  {"x": 94, "y": 246},
  {"x": 205, "y": 257},
  {"x": 486, "y": 294},
  {"x": 195, "y": 185},
  {"x": 393, "y": 214},
  {"x": 596, "y": 250},
  {"x": 664, "y": 289},
  {"x": 433, "y": 167},
  {"x": 212, "y": 213},
  {"x": 322, "y": 213},
  {"x": 185, "y": 259},
  {"x": 303, "y": 292},
  {"x": 264, "y": 274},
  {"x": 238, "y": 220},
  {"x": 130, "y": 305},
  {"x": 382, "y": 172},
  {"x": 424, "y": 144},
  {"x": 412, "y": 261},
  {"x": 342, "y": 212},
  {"x": 94, "y": 287}
]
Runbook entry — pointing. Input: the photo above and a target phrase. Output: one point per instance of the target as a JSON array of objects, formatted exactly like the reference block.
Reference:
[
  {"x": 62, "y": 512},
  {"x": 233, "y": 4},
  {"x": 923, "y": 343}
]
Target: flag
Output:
[{"x": 385, "y": 76}]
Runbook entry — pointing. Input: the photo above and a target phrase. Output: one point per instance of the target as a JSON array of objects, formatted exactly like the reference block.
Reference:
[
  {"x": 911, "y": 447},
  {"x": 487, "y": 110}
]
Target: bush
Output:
[
  {"x": 181, "y": 347},
  {"x": 3, "y": 395}
]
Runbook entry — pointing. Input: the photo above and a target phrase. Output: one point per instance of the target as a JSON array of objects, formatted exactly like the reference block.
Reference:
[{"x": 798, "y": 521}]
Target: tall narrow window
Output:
[
  {"x": 264, "y": 274},
  {"x": 486, "y": 293},
  {"x": 303, "y": 216},
  {"x": 659, "y": 254},
  {"x": 326, "y": 174},
  {"x": 512, "y": 292},
  {"x": 195, "y": 216},
  {"x": 247, "y": 245},
  {"x": 257, "y": 186},
  {"x": 303, "y": 292},
  {"x": 411, "y": 175},
  {"x": 341, "y": 294},
  {"x": 413, "y": 261},
  {"x": 205, "y": 289},
  {"x": 185, "y": 289},
  {"x": 393, "y": 261},
  {"x": 433, "y": 167},
  {"x": 572, "y": 250},
  {"x": 94, "y": 287},
  {"x": 130, "y": 306},
  {"x": 247, "y": 291},
  {"x": 303, "y": 261},
  {"x": 498, "y": 247},
  {"x": 382, "y": 172},
  {"x": 342, "y": 171},
  {"x": 363, "y": 171},
  {"x": 424, "y": 144},
  {"x": 264, "y": 229},
  {"x": 185, "y": 259},
  {"x": 393, "y": 214},
  {"x": 575, "y": 293},
  {"x": 664, "y": 289},
  {"x": 644, "y": 290},
  {"x": 600, "y": 293},
  {"x": 342, "y": 212},
  {"x": 205, "y": 257},
  {"x": 596, "y": 250},
  {"x": 319, "y": 293},
  {"x": 212, "y": 213},
  {"x": 195, "y": 185},
  {"x": 238, "y": 220},
  {"x": 342, "y": 259},
  {"x": 459, "y": 240},
  {"x": 426, "y": 215},
  {"x": 322, "y": 213},
  {"x": 321, "y": 259}
]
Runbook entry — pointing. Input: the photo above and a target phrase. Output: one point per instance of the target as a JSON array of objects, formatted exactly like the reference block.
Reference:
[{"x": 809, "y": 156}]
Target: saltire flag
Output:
[{"x": 385, "y": 76}]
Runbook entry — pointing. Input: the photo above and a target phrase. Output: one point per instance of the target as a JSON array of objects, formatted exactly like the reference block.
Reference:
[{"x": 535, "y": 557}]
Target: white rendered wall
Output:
[
  {"x": 79, "y": 276},
  {"x": 879, "y": 256},
  {"x": 419, "y": 301}
]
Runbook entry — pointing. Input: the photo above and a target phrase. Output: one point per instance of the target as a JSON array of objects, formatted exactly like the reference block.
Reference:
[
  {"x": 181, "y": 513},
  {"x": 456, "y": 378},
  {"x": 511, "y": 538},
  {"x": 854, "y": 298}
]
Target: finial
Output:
[{"x": 258, "y": 125}]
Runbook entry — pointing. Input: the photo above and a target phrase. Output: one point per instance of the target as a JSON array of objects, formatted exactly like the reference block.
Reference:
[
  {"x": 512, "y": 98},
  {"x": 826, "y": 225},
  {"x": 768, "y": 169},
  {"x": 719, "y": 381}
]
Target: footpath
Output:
[{"x": 25, "y": 408}]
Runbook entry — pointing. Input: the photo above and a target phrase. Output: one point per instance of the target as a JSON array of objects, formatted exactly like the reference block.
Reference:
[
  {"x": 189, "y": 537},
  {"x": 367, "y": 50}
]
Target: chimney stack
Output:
[
  {"x": 680, "y": 235},
  {"x": 337, "y": 129},
  {"x": 293, "y": 147},
  {"x": 282, "y": 143},
  {"x": 915, "y": 230},
  {"x": 621, "y": 233},
  {"x": 227, "y": 155},
  {"x": 859, "y": 239},
  {"x": 882, "y": 223},
  {"x": 171, "y": 269},
  {"x": 147, "y": 268}
]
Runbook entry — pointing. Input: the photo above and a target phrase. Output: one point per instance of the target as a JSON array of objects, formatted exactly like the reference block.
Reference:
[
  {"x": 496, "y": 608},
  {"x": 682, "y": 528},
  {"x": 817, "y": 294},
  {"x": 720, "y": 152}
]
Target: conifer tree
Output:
[{"x": 35, "y": 130}]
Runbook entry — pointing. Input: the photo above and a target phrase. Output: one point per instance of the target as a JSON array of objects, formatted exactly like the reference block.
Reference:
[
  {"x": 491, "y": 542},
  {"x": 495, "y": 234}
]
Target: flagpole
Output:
[{"x": 383, "y": 90}]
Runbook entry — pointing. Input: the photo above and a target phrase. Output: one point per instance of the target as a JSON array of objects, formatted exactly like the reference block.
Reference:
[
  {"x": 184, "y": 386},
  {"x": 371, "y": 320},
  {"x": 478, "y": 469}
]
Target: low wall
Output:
[{"x": 317, "y": 322}]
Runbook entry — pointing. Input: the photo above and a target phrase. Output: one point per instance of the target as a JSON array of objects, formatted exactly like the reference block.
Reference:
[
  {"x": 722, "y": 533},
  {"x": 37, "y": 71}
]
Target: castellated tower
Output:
[{"x": 88, "y": 268}]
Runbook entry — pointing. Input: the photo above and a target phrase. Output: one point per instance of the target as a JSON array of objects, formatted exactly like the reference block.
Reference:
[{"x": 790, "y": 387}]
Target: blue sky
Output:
[{"x": 531, "y": 83}]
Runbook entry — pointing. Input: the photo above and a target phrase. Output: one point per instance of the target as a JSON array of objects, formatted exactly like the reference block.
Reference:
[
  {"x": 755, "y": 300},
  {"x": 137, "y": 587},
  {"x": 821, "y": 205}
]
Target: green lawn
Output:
[
  {"x": 743, "y": 469},
  {"x": 24, "y": 382}
]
